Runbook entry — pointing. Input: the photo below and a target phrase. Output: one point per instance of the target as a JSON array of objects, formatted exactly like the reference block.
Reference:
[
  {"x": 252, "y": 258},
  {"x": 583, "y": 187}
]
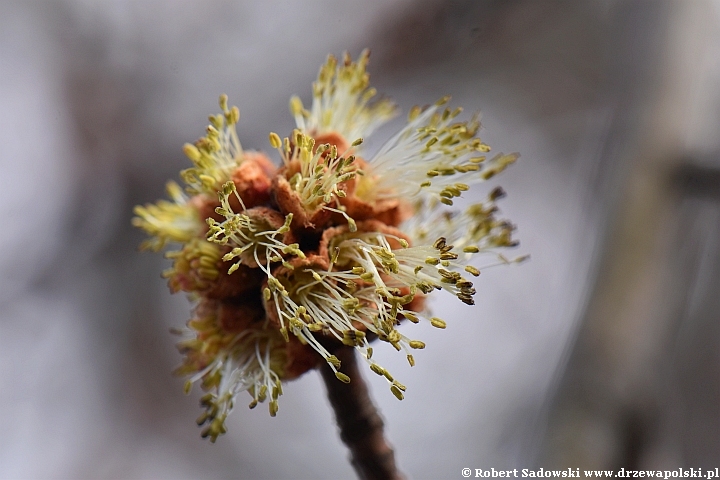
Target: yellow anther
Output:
[
  {"x": 411, "y": 360},
  {"x": 472, "y": 270},
  {"x": 437, "y": 322},
  {"x": 204, "y": 417},
  {"x": 296, "y": 106},
  {"x": 443, "y": 100},
  {"x": 342, "y": 377},
  {"x": 192, "y": 152},
  {"x": 396, "y": 391},
  {"x": 223, "y": 102},
  {"x": 411, "y": 316},
  {"x": 414, "y": 113},
  {"x": 234, "y": 116},
  {"x": 275, "y": 141},
  {"x": 333, "y": 360}
]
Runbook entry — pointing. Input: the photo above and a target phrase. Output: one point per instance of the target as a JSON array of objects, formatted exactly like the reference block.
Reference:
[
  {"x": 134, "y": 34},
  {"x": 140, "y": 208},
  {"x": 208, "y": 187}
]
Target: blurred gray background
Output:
[{"x": 602, "y": 351}]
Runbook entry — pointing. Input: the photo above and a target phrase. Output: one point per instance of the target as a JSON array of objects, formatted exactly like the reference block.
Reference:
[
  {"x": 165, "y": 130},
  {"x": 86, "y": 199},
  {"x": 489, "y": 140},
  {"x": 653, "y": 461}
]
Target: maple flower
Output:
[
  {"x": 216, "y": 155},
  {"x": 167, "y": 222},
  {"x": 333, "y": 248},
  {"x": 432, "y": 156},
  {"x": 342, "y": 101}
]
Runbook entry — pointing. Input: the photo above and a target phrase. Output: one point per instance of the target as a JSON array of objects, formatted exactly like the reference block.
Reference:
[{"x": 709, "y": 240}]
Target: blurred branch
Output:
[
  {"x": 613, "y": 396},
  {"x": 697, "y": 180}
]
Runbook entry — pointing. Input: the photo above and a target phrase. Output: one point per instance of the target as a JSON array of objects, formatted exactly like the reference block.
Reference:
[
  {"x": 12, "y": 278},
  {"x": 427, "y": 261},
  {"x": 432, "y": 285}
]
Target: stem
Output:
[{"x": 361, "y": 427}]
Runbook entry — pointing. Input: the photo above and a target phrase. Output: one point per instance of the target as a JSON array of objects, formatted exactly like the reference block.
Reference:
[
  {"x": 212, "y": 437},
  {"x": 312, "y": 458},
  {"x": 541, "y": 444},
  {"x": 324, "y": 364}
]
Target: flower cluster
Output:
[{"x": 334, "y": 247}]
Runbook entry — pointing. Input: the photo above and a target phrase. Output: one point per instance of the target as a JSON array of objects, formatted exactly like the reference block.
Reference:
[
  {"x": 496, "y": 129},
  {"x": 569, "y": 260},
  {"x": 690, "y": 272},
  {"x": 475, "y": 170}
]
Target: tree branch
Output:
[{"x": 361, "y": 427}]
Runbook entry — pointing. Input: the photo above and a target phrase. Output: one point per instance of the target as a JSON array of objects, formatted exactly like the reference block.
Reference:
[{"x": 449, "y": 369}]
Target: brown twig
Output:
[{"x": 361, "y": 427}]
